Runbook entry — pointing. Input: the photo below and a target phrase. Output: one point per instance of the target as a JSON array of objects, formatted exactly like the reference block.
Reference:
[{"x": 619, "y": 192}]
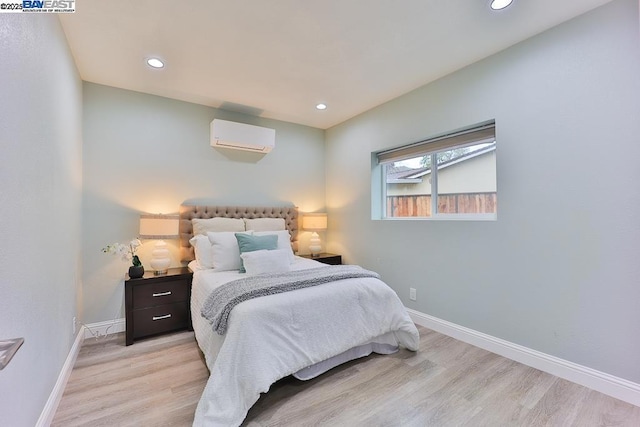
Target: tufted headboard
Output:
[{"x": 188, "y": 212}]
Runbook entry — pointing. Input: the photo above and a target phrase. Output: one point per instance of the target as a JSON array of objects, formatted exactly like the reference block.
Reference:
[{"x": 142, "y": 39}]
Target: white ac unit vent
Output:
[{"x": 240, "y": 136}]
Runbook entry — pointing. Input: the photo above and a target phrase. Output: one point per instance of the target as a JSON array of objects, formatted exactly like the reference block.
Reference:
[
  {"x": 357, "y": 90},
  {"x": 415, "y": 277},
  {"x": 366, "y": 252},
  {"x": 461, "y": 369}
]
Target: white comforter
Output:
[{"x": 274, "y": 336}]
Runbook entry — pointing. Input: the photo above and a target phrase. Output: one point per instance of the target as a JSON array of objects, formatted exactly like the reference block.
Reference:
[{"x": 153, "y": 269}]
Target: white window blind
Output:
[{"x": 477, "y": 134}]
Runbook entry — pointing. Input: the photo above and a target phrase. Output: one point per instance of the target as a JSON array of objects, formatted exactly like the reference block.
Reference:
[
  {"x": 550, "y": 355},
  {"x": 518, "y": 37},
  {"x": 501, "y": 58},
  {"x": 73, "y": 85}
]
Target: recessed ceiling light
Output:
[
  {"x": 155, "y": 63},
  {"x": 500, "y": 4},
  {"x": 321, "y": 106}
]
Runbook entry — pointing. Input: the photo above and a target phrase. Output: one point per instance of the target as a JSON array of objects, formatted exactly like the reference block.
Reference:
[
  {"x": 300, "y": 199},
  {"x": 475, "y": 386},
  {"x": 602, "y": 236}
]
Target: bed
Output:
[{"x": 303, "y": 332}]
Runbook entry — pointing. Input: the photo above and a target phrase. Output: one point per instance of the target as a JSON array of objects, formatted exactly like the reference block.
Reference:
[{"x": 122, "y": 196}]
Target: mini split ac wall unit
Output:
[{"x": 240, "y": 136}]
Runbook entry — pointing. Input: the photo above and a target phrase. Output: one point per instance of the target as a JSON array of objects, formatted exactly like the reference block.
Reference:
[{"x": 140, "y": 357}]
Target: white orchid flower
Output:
[{"x": 126, "y": 252}]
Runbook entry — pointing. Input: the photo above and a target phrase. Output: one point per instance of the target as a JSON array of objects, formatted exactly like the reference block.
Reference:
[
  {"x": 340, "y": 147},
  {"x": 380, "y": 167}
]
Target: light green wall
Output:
[
  {"x": 41, "y": 179},
  {"x": 558, "y": 271},
  {"x": 144, "y": 153}
]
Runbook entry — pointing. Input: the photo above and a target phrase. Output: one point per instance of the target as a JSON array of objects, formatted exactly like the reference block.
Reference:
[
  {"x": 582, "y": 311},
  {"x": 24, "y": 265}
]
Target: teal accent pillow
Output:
[{"x": 249, "y": 243}]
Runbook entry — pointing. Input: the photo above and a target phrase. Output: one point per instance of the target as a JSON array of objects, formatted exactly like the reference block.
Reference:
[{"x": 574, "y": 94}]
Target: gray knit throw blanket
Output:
[{"x": 221, "y": 301}]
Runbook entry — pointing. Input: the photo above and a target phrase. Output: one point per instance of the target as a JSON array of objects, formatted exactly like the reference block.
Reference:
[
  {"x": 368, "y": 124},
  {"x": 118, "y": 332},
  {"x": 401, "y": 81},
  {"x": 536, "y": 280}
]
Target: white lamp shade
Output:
[
  {"x": 314, "y": 221},
  {"x": 157, "y": 226}
]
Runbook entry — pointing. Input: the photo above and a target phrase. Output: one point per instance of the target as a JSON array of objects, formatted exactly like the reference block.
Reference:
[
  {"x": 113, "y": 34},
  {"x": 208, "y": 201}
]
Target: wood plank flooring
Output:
[{"x": 158, "y": 382}]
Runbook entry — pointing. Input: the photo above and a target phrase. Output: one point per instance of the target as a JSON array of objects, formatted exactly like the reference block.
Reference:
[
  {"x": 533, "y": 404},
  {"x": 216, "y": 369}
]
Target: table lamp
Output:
[
  {"x": 314, "y": 222},
  {"x": 159, "y": 227}
]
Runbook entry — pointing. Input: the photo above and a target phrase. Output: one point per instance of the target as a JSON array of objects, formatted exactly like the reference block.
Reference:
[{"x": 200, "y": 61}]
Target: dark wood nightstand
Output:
[
  {"x": 158, "y": 304},
  {"x": 326, "y": 258}
]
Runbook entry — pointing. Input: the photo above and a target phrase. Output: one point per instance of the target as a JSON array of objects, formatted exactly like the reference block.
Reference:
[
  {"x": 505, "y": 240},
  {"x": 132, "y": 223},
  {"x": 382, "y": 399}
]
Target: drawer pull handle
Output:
[
  {"x": 162, "y": 294},
  {"x": 166, "y": 316}
]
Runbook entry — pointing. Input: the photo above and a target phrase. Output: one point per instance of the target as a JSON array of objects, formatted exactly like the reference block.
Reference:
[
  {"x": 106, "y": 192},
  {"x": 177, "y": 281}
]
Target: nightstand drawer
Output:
[
  {"x": 163, "y": 318},
  {"x": 163, "y": 297},
  {"x": 152, "y": 294}
]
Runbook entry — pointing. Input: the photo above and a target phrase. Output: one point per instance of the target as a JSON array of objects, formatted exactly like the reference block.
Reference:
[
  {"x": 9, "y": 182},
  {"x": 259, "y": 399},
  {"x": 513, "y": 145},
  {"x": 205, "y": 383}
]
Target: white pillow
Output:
[
  {"x": 203, "y": 226},
  {"x": 203, "y": 250},
  {"x": 266, "y": 261},
  {"x": 284, "y": 241},
  {"x": 265, "y": 224},
  {"x": 226, "y": 253}
]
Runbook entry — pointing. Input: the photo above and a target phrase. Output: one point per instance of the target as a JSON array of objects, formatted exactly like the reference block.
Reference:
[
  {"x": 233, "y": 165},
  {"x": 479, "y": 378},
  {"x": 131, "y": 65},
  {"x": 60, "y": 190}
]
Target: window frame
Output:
[{"x": 470, "y": 136}]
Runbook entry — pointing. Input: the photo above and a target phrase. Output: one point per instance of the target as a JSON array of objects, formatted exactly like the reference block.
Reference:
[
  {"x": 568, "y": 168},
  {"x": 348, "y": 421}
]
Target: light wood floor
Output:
[{"x": 157, "y": 382}]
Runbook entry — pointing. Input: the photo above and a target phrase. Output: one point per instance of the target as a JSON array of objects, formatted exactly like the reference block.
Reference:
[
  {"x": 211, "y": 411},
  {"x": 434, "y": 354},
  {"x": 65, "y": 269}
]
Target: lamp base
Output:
[
  {"x": 160, "y": 261},
  {"x": 315, "y": 246}
]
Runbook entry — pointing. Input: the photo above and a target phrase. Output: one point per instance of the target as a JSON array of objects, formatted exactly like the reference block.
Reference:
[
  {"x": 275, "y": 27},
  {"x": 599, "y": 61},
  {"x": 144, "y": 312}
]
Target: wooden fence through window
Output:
[{"x": 407, "y": 206}]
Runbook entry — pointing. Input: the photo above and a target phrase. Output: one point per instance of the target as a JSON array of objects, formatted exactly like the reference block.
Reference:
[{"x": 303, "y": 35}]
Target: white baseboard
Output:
[
  {"x": 92, "y": 330},
  {"x": 49, "y": 410},
  {"x": 101, "y": 329},
  {"x": 604, "y": 383}
]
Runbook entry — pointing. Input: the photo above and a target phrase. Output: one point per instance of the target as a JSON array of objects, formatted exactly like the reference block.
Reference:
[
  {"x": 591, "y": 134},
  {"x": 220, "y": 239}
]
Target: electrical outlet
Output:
[
  {"x": 74, "y": 325},
  {"x": 412, "y": 294}
]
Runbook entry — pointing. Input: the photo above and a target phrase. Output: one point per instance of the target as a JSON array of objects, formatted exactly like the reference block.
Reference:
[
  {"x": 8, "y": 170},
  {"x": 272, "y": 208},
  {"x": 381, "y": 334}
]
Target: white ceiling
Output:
[{"x": 279, "y": 58}]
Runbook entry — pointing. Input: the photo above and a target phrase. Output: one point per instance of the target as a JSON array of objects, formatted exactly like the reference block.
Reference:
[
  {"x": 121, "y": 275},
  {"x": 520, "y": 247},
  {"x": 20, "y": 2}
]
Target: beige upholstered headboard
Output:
[{"x": 188, "y": 212}]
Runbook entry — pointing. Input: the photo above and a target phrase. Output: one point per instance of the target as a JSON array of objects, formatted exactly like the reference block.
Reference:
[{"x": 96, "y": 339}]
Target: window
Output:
[{"x": 450, "y": 176}]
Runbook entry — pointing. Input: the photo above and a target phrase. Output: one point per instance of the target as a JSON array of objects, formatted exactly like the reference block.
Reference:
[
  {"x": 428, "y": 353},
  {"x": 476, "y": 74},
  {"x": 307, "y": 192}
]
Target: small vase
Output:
[{"x": 136, "y": 271}]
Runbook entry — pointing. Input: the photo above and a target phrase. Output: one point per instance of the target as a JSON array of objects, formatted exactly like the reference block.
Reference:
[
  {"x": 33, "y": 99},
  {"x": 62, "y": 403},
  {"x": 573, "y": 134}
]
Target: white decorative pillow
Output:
[
  {"x": 226, "y": 253},
  {"x": 265, "y": 224},
  {"x": 266, "y": 261},
  {"x": 203, "y": 250},
  {"x": 284, "y": 241},
  {"x": 203, "y": 226}
]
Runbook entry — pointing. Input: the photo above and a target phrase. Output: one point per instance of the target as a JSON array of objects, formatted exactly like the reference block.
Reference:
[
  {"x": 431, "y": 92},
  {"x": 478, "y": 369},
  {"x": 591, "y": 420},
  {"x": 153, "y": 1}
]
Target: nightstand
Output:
[
  {"x": 326, "y": 258},
  {"x": 157, "y": 304}
]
